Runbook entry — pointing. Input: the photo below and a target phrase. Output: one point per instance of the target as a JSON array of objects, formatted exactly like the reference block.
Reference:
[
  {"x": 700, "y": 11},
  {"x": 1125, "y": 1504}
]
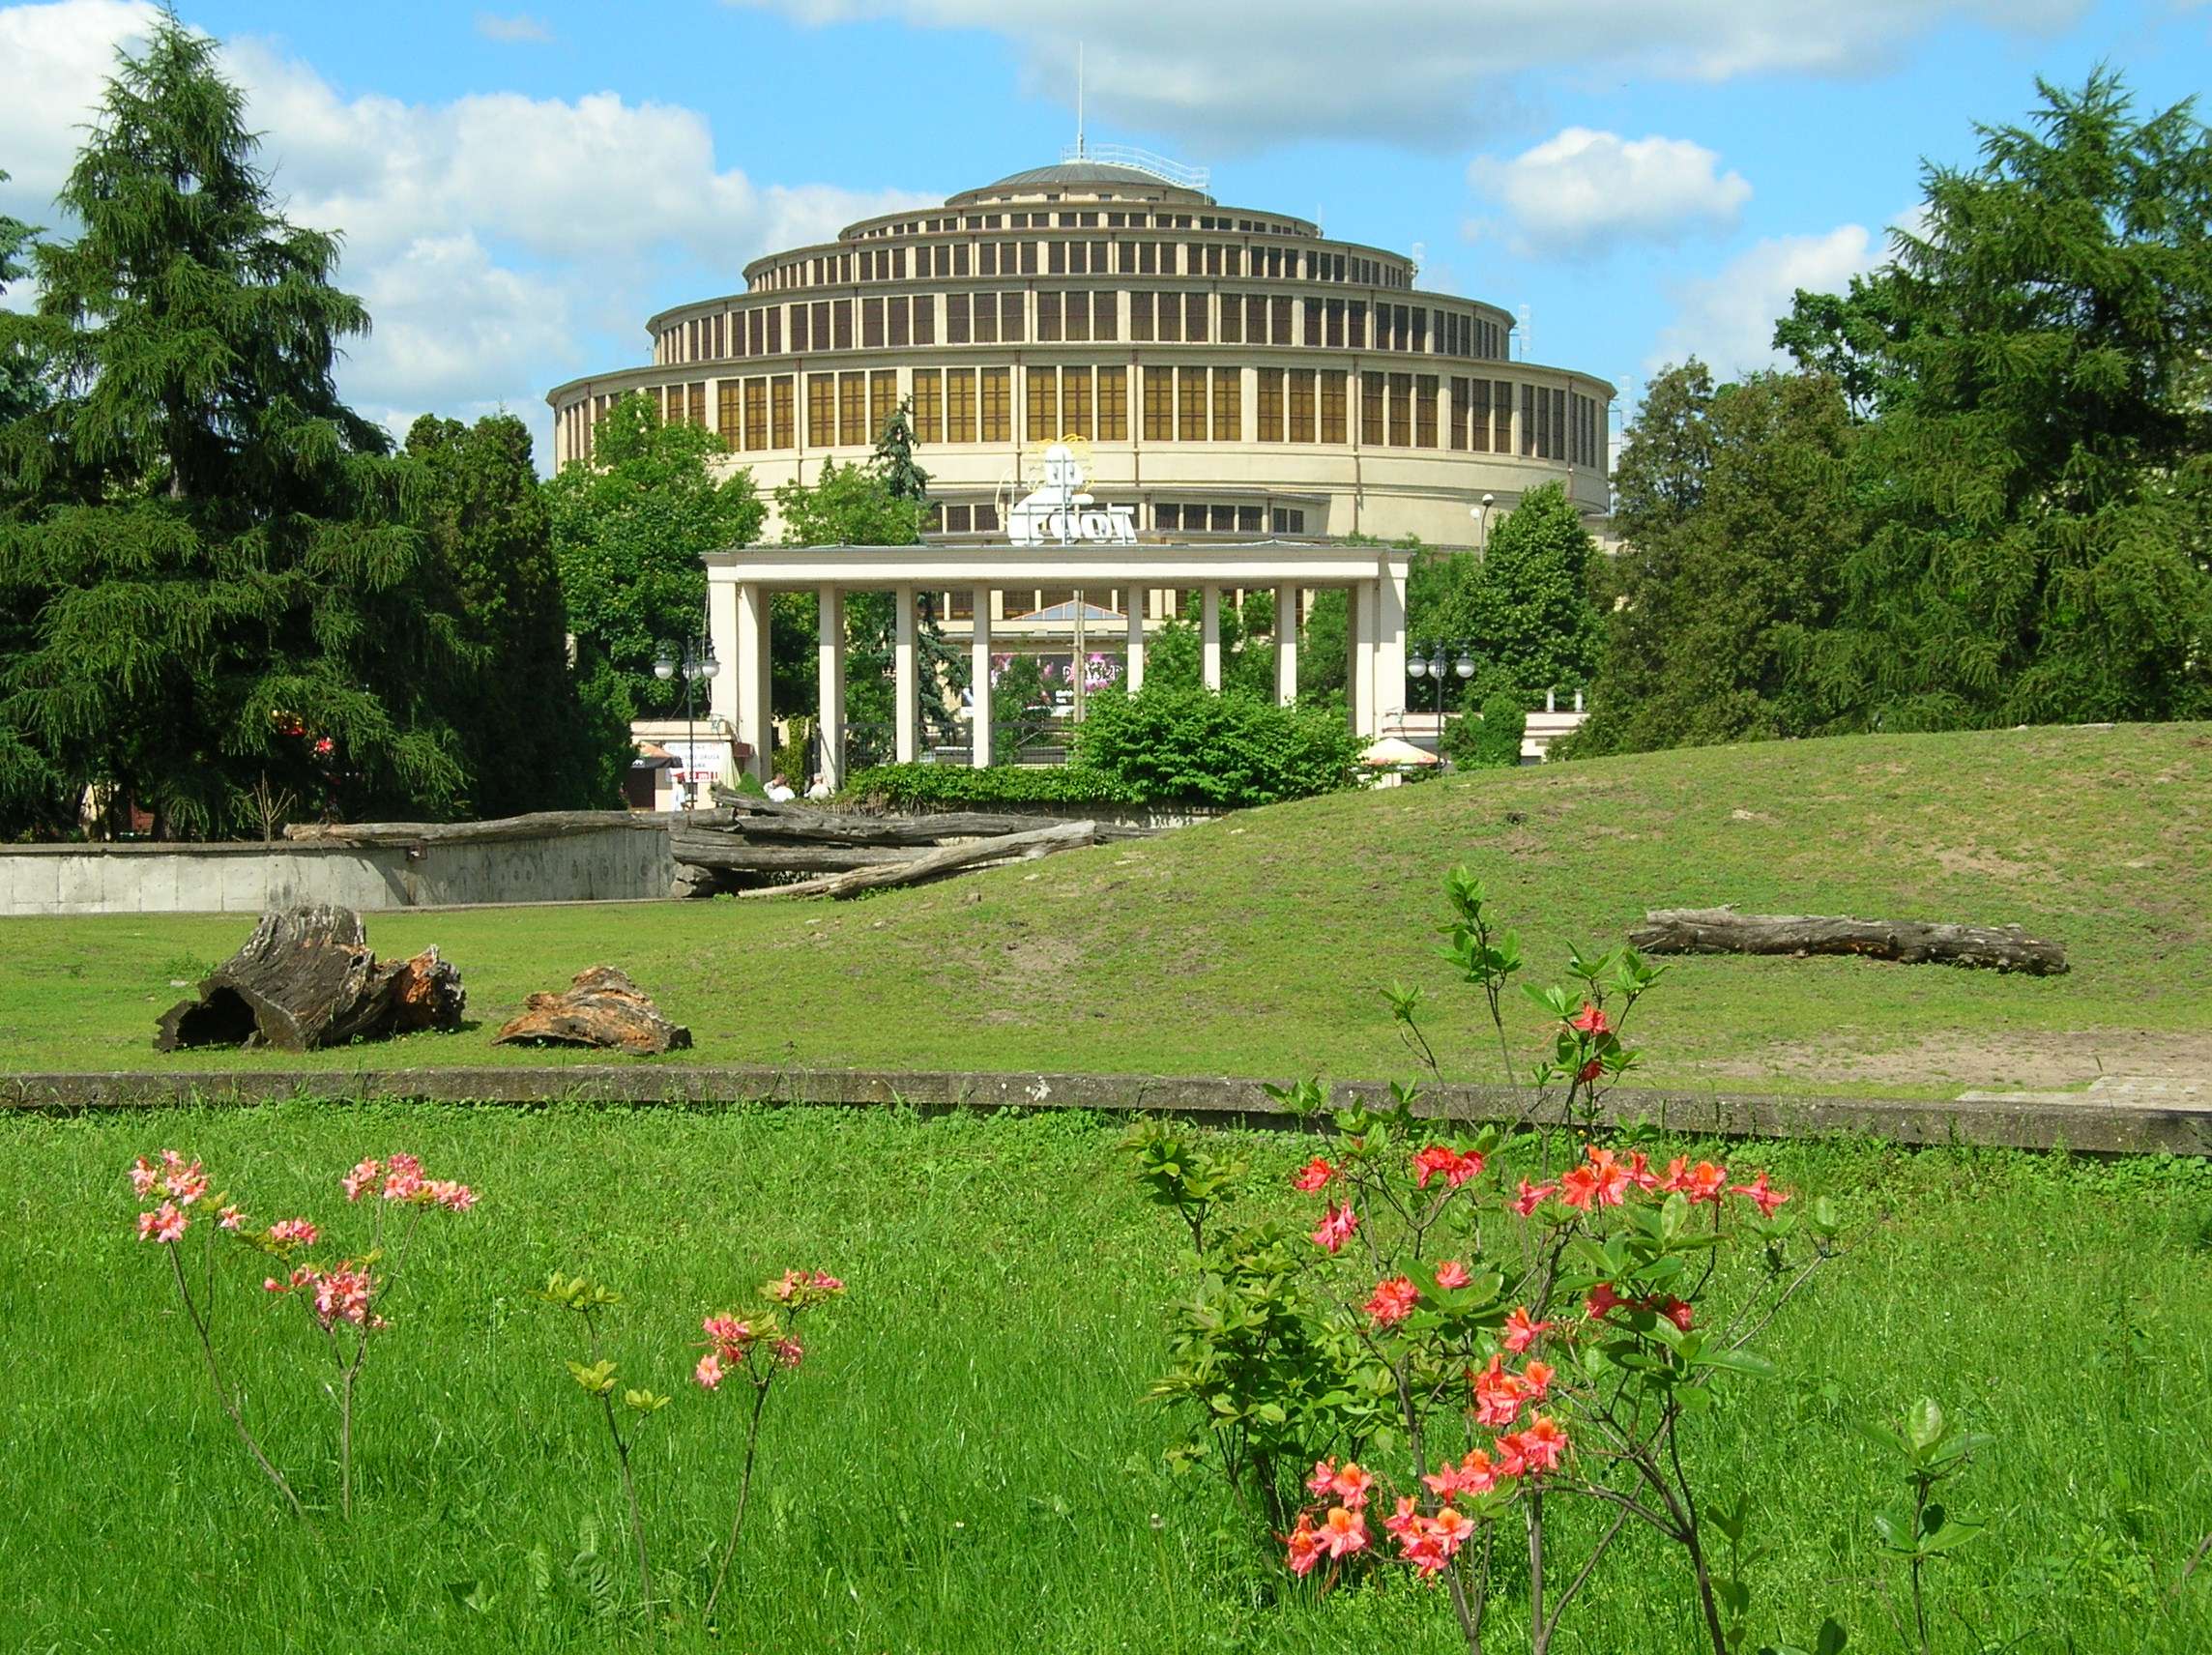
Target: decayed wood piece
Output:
[
  {"x": 307, "y": 978},
  {"x": 1911, "y": 941},
  {"x": 950, "y": 859},
  {"x": 797, "y": 819},
  {"x": 601, "y": 1007},
  {"x": 732, "y": 854},
  {"x": 539, "y": 825}
]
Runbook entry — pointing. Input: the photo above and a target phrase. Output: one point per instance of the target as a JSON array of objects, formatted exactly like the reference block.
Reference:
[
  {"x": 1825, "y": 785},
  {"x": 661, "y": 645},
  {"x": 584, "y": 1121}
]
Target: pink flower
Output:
[
  {"x": 824, "y": 1283},
  {"x": 1703, "y": 1181},
  {"x": 1343, "y": 1532},
  {"x": 1305, "y": 1548},
  {"x": 729, "y": 1335},
  {"x": 342, "y": 1295},
  {"x": 790, "y": 1352},
  {"x": 1313, "y": 1175},
  {"x": 1679, "y": 1312},
  {"x": 1590, "y": 1020},
  {"x": 1439, "y": 1158},
  {"x": 1589, "y": 1072},
  {"x": 324, "y": 747},
  {"x": 1323, "y": 1477},
  {"x": 1602, "y": 1299},
  {"x": 1351, "y": 1484},
  {"x": 1530, "y": 1196},
  {"x": 1393, "y": 1300},
  {"x": 1536, "y": 1379},
  {"x": 294, "y": 1231},
  {"x": 1336, "y": 1228},
  {"x": 1405, "y": 1519},
  {"x": 1610, "y": 1176},
  {"x": 1760, "y": 1196},
  {"x": 1452, "y": 1527},
  {"x": 1451, "y": 1274},
  {"x": 166, "y": 1224},
  {"x": 1542, "y": 1444},
  {"x": 298, "y": 1278},
  {"x": 229, "y": 1218},
  {"x": 361, "y": 1178},
  {"x": 452, "y": 1197},
  {"x": 1472, "y": 1475},
  {"x": 708, "y": 1372},
  {"x": 402, "y": 1178},
  {"x": 143, "y": 1177},
  {"x": 1498, "y": 1395},
  {"x": 1520, "y": 1331},
  {"x": 187, "y": 1183}
]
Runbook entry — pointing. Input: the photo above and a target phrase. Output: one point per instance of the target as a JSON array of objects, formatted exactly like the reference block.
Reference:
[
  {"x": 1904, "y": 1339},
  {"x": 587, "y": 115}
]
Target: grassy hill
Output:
[{"x": 1256, "y": 945}]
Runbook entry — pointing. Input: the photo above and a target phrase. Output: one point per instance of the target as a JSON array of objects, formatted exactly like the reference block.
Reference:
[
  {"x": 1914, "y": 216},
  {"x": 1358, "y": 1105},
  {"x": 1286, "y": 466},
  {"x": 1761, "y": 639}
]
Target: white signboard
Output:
[{"x": 1058, "y": 508}]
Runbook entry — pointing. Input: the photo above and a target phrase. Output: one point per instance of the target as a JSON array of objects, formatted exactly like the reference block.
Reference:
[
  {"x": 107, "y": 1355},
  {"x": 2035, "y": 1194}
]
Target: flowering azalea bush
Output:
[
  {"x": 752, "y": 1351},
  {"x": 342, "y": 1296},
  {"x": 1482, "y": 1324}
]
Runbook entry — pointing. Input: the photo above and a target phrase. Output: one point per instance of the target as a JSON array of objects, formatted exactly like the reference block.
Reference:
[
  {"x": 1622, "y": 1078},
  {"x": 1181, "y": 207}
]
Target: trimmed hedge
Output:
[
  {"x": 1163, "y": 746},
  {"x": 907, "y": 787}
]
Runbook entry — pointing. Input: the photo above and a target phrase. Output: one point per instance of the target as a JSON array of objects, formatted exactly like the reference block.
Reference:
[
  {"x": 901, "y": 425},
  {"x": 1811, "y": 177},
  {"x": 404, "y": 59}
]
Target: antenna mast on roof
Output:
[{"x": 1079, "y": 99}]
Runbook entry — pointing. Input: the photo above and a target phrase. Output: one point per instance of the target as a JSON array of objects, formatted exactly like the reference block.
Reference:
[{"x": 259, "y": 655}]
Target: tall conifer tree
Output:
[{"x": 229, "y": 596}]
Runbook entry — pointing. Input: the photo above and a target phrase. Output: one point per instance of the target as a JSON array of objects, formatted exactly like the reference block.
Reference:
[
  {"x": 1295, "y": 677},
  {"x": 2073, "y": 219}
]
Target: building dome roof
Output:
[{"x": 1079, "y": 175}]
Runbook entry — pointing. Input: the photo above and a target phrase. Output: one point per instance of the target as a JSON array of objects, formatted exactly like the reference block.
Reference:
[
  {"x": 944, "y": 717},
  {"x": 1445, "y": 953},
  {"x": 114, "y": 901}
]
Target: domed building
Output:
[
  {"x": 1132, "y": 402},
  {"x": 1232, "y": 372}
]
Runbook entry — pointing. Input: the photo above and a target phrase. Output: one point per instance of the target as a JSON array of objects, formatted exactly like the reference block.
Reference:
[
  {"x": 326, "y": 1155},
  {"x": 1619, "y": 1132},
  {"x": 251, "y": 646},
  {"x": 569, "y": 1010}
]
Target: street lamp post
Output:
[
  {"x": 1445, "y": 660},
  {"x": 698, "y": 662}
]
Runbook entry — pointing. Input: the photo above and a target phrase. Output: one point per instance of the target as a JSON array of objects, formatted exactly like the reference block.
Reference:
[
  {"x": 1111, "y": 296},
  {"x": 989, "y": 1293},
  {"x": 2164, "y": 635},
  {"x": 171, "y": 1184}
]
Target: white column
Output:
[
  {"x": 906, "y": 699},
  {"x": 980, "y": 682},
  {"x": 1286, "y": 644},
  {"x": 1391, "y": 645},
  {"x": 829, "y": 680},
  {"x": 748, "y": 669},
  {"x": 722, "y": 634},
  {"x": 1366, "y": 706},
  {"x": 1209, "y": 631},
  {"x": 1135, "y": 605}
]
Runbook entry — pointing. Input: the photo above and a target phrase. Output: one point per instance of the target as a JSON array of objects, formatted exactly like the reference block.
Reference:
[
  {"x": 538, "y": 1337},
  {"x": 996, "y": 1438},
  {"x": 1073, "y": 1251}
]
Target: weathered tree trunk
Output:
[
  {"x": 731, "y": 854},
  {"x": 1912, "y": 942},
  {"x": 307, "y": 978},
  {"x": 783, "y": 822},
  {"x": 950, "y": 859},
  {"x": 539, "y": 825},
  {"x": 601, "y": 1007}
]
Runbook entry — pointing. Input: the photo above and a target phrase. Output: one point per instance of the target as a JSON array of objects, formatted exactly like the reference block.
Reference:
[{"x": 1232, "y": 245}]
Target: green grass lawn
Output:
[
  {"x": 965, "y": 1463},
  {"x": 1255, "y": 944}
]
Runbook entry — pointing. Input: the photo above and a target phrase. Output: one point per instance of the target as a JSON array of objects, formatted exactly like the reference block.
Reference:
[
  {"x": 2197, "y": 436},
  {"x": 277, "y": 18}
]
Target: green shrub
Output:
[
  {"x": 1490, "y": 739},
  {"x": 909, "y": 787},
  {"x": 1179, "y": 745}
]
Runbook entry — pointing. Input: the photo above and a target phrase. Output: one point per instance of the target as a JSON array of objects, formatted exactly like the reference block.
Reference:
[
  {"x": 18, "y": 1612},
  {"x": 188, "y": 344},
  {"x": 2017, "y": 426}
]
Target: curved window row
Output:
[
  {"x": 1051, "y": 315},
  {"x": 1116, "y": 403},
  {"x": 1078, "y": 256}
]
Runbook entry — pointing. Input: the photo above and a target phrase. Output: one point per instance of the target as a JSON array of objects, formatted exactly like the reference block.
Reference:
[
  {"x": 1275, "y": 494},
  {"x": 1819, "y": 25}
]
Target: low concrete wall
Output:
[
  {"x": 2085, "y": 1123},
  {"x": 624, "y": 861}
]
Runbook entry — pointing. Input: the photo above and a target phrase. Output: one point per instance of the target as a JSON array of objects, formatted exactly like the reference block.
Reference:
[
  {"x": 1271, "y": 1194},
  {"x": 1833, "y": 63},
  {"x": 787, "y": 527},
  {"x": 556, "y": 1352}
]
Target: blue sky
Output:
[{"x": 522, "y": 187}]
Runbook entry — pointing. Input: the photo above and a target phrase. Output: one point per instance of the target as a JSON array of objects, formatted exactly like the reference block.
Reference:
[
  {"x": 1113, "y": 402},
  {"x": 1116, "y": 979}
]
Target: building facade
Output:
[{"x": 1223, "y": 371}]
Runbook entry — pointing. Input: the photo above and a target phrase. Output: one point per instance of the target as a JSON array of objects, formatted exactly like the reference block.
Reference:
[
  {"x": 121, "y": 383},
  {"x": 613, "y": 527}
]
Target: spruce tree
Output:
[
  {"x": 525, "y": 737},
  {"x": 229, "y": 599},
  {"x": 1534, "y": 625},
  {"x": 2038, "y": 460}
]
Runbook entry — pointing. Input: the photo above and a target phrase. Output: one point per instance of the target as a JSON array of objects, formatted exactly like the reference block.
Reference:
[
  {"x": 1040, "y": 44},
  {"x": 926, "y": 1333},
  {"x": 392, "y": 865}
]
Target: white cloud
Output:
[
  {"x": 1727, "y": 320},
  {"x": 1417, "y": 72},
  {"x": 520, "y": 27},
  {"x": 1582, "y": 190},
  {"x": 502, "y": 242}
]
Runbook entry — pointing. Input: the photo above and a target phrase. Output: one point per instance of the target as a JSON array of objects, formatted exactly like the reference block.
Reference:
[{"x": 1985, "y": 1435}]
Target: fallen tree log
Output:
[
  {"x": 728, "y": 854},
  {"x": 803, "y": 819},
  {"x": 538, "y": 825},
  {"x": 307, "y": 978},
  {"x": 1909, "y": 942},
  {"x": 602, "y": 1008},
  {"x": 934, "y": 864}
]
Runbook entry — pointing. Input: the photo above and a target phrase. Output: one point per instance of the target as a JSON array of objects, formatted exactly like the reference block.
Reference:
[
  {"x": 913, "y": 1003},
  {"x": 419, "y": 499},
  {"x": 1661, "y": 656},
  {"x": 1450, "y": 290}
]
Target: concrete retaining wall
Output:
[
  {"x": 621, "y": 862},
  {"x": 2083, "y": 1123}
]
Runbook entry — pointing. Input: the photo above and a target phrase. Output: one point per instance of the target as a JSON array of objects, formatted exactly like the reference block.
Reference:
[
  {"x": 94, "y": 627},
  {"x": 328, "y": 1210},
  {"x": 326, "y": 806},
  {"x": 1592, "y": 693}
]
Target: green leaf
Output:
[{"x": 1924, "y": 1424}]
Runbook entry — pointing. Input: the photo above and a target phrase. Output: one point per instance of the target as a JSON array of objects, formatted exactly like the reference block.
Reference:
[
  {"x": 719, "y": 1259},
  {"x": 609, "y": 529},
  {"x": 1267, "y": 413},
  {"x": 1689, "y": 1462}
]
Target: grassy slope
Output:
[
  {"x": 1256, "y": 945},
  {"x": 965, "y": 1464}
]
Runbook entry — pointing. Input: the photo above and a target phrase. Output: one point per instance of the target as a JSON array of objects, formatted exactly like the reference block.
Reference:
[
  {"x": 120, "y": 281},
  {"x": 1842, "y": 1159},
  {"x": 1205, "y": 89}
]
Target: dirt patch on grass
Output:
[
  {"x": 1961, "y": 859},
  {"x": 2028, "y": 1061}
]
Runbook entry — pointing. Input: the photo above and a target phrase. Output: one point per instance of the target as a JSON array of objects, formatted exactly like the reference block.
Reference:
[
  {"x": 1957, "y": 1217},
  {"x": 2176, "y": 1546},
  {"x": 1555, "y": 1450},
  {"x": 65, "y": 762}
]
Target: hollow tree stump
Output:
[
  {"x": 308, "y": 979},
  {"x": 1909, "y": 942},
  {"x": 600, "y": 1009}
]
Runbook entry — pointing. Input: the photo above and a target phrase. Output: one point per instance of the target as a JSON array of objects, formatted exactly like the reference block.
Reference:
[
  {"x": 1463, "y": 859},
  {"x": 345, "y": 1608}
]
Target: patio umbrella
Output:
[{"x": 1393, "y": 751}]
